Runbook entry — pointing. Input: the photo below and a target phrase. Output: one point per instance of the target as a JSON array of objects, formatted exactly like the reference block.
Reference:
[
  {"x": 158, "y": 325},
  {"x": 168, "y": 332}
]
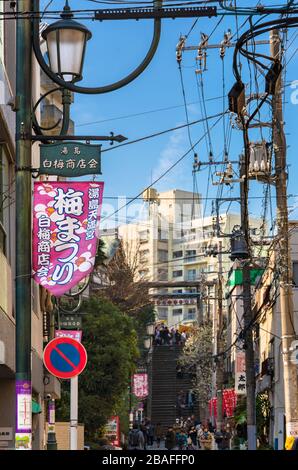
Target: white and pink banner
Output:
[
  {"x": 74, "y": 334},
  {"x": 65, "y": 227},
  {"x": 140, "y": 385}
]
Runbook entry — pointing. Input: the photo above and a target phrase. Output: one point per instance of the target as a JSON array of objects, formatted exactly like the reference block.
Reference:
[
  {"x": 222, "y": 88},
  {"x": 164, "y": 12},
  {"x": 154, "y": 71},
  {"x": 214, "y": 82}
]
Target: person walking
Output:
[
  {"x": 193, "y": 436},
  {"x": 218, "y": 437},
  {"x": 206, "y": 439},
  {"x": 158, "y": 433},
  {"x": 199, "y": 429},
  {"x": 150, "y": 433},
  {"x": 182, "y": 440},
  {"x": 170, "y": 439},
  {"x": 226, "y": 439},
  {"x": 136, "y": 440}
]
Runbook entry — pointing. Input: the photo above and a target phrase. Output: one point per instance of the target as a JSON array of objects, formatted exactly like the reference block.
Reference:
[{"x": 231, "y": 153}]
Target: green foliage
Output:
[
  {"x": 262, "y": 418},
  {"x": 100, "y": 256},
  {"x": 111, "y": 343}
]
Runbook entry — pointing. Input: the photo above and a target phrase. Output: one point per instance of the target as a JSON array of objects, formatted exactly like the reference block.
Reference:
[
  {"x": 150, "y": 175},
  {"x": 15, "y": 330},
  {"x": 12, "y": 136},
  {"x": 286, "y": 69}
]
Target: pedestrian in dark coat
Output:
[{"x": 170, "y": 439}]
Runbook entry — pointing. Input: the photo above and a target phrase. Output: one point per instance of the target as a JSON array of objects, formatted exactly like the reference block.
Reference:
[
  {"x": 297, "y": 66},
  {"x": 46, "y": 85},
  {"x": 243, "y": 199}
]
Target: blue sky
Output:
[{"x": 115, "y": 49}]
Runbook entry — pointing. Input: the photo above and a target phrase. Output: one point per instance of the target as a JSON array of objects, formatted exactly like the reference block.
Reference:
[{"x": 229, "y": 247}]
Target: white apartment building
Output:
[{"x": 170, "y": 246}]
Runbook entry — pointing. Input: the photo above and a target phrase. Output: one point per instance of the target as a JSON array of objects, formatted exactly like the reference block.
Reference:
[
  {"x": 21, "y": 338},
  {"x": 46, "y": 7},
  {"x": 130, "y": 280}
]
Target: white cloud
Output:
[{"x": 178, "y": 144}]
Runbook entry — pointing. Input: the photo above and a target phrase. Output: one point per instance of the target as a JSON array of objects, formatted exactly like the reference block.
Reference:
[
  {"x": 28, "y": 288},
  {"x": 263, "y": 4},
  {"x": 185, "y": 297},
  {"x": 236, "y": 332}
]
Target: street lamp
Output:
[
  {"x": 150, "y": 329},
  {"x": 147, "y": 342},
  {"x": 66, "y": 44}
]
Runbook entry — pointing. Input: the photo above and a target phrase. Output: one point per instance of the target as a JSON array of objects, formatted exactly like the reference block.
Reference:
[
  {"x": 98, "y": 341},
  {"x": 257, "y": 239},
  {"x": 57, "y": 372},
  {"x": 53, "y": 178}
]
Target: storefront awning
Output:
[{"x": 36, "y": 408}]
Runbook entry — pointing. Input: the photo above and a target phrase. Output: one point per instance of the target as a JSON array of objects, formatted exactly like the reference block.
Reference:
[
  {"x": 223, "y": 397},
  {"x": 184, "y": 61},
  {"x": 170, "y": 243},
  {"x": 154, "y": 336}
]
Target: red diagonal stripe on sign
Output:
[{"x": 65, "y": 357}]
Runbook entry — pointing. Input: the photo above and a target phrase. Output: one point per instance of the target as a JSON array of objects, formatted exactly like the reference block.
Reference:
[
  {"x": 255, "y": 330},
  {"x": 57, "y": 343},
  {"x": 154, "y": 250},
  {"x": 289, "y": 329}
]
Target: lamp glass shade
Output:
[
  {"x": 147, "y": 343},
  {"x": 150, "y": 329},
  {"x": 66, "y": 50}
]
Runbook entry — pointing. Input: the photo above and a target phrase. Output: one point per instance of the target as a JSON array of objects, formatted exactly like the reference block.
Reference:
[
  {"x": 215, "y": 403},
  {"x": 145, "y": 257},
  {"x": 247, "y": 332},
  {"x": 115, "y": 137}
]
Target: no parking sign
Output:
[{"x": 65, "y": 357}]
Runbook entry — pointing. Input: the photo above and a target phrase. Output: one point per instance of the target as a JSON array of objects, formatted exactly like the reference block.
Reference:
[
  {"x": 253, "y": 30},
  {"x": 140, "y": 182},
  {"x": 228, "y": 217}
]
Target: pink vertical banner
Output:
[
  {"x": 65, "y": 219},
  {"x": 140, "y": 385}
]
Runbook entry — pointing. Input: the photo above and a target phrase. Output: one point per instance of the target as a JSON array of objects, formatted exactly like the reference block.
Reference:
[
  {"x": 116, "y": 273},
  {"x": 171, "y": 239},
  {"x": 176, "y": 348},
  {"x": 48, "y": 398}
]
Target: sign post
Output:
[
  {"x": 66, "y": 358},
  {"x": 74, "y": 387}
]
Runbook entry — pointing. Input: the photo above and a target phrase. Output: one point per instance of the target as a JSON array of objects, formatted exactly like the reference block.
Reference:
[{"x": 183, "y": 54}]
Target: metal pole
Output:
[
  {"x": 74, "y": 382},
  {"x": 247, "y": 311},
  {"x": 23, "y": 228},
  {"x": 214, "y": 349},
  {"x": 220, "y": 362},
  {"x": 51, "y": 442},
  {"x": 284, "y": 256}
]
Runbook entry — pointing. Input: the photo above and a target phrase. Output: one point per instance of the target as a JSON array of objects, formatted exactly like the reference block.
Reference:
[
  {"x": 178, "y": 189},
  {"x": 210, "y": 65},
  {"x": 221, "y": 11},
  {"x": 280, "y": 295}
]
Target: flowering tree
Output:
[{"x": 197, "y": 358}]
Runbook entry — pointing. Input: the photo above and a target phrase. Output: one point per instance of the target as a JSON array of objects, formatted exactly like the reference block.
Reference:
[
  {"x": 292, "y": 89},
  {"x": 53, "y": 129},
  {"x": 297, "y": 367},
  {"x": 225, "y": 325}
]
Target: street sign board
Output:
[
  {"x": 70, "y": 159},
  {"x": 70, "y": 322},
  {"x": 65, "y": 357}
]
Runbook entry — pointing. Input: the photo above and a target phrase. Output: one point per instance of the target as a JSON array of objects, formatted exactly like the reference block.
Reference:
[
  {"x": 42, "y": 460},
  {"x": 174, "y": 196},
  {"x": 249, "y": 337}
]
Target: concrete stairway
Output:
[{"x": 166, "y": 386}]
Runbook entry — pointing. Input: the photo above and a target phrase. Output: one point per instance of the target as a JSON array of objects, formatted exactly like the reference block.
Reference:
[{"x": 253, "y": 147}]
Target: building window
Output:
[
  {"x": 177, "y": 254},
  {"x": 190, "y": 255},
  {"x": 163, "y": 235},
  {"x": 162, "y": 313},
  {"x": 177, "y": 311},
  {"x": 162, "y": 255},
  {"x": 177, "y": 291},
  {"x": 5, "y": 199},
  {"x": 191, "y": 274},
  {"x": 295, "y": 273},
  {"x": 190, "y": 314},
  {"x": 177, "y": 273}
]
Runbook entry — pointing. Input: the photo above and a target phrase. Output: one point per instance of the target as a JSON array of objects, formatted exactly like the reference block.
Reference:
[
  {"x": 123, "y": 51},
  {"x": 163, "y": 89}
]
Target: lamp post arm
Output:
[
  {"x": 66, "y": 102},
  {"x": 36, "y": 126},
  {"x": 96, "y": 90}
]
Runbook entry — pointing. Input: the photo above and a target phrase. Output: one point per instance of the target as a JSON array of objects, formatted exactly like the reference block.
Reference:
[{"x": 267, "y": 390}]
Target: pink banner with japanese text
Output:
[
  {"x": 140, "y": 385},
  {"x": 65, "y": 225}
]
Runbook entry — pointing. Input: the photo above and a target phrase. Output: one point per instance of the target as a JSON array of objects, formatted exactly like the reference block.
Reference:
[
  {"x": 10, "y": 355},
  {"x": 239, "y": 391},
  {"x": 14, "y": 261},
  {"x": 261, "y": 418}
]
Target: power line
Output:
[
  {"x": 166, "y": 171},
  {"x": 163, "y": 132}
]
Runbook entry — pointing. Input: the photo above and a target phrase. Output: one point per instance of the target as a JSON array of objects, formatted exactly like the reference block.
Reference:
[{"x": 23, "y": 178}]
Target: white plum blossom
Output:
[
  {"x": 42, "y": 210},
  {"x": 47, "y": 189},
  {"x": 84, "y": 262}
]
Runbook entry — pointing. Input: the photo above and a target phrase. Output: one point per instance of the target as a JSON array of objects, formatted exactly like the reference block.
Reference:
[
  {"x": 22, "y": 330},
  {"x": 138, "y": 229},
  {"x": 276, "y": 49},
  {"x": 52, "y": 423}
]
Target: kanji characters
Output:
[
  {"x": 44, "y": 234},
  {"x": 81, "y": 163},
  {"x": 44, "y": 222},
  {"x": 92, "y": 163},
  {"x": 43, "y": 259},
  {"x": 44, "y": 247},
  {"x": 64, "y": 151},
  {"x": 70, "y": 202},
  {"x": 70, "y": 163}
]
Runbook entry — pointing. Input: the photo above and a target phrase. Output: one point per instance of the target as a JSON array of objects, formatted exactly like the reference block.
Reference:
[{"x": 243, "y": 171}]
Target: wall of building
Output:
[{"x": 63, "y": 436}]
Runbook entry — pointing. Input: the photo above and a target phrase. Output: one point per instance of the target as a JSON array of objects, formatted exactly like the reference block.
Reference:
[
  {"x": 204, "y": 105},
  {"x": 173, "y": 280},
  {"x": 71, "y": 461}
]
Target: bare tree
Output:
[{"x": 197, "y": 358}]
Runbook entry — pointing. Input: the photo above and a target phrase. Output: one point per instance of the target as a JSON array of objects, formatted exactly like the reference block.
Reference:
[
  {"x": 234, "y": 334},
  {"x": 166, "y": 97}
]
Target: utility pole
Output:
[
  {"x": 23, "y": 227},
  {"x": 220, "y": 360},
  {"x": 284, "y": 258},
  {"x": 246, "y": 292},
  {"x": 214, "y": 345}
]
